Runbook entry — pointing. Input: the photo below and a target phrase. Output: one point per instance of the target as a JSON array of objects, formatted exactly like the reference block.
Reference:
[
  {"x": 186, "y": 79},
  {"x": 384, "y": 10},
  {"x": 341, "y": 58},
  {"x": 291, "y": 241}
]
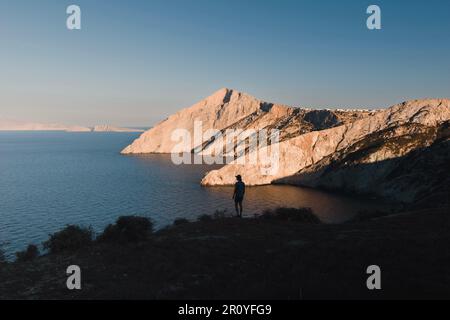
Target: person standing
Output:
[{"x": 238, "y": 195}]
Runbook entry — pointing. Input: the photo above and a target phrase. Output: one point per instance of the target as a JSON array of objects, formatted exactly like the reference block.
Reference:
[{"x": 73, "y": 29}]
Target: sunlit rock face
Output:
[
  {"x": 219, "y": 111},
  {"x": 229, "y": 109}
]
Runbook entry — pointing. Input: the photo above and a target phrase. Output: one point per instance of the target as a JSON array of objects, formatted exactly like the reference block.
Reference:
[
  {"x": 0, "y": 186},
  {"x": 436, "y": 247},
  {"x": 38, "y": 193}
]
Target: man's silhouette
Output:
[{"x": 238, "y": 195}]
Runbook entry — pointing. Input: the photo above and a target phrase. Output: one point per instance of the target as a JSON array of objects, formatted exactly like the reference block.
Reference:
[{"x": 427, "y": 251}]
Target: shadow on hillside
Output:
[{"x": 420, "y": 179}]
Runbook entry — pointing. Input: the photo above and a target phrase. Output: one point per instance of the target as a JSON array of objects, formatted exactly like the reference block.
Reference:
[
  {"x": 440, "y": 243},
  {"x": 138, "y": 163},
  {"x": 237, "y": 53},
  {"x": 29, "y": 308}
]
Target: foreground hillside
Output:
[{"x": 254, "y": 258}]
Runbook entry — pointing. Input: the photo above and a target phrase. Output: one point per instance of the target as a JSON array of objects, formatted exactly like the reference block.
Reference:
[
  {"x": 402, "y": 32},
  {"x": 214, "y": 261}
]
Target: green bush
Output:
[
  {"x": 304, "y": 215},
  {"x": 31, "y": 253},
  {"x": 71, "y": 238},
  {"x": 127, "y": 229},
  {"x": 180, "y": 221}
]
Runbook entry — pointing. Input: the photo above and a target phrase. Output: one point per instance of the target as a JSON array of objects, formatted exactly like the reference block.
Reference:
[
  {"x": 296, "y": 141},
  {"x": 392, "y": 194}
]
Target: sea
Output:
[{"x": 52, "y": 179}]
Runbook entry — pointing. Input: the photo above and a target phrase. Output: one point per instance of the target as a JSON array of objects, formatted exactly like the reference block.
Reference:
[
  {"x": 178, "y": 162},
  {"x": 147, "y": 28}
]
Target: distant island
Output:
[
  {"x": 107, "y": 128},
  {"x": 15, "y": 125}
]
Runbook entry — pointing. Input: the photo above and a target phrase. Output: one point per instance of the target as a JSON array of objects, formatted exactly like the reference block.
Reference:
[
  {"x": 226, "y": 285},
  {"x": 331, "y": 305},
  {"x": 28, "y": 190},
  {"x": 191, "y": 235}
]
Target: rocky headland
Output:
[{"x": 400, "y": 153}]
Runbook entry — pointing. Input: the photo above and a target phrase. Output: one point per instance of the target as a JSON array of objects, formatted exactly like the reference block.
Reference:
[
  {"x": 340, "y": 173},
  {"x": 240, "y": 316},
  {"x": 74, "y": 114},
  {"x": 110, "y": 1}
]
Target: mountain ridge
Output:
[{"x": 232, "y": 109}]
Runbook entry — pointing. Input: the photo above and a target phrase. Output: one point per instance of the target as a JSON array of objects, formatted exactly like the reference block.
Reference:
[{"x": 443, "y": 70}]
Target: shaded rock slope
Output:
[
  {"x": 14, "y": 125},
  {"x": 408, "y": 163}
]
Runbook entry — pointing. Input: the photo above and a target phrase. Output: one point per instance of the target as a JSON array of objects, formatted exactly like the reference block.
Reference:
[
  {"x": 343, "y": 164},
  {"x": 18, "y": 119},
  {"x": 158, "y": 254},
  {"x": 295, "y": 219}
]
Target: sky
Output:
[{"x": 135, "y": 62}]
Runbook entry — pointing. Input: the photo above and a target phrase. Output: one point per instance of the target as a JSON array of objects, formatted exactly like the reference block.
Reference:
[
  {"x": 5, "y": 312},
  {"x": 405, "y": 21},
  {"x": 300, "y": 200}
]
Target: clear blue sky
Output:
[{"x": 134, "y": 62}]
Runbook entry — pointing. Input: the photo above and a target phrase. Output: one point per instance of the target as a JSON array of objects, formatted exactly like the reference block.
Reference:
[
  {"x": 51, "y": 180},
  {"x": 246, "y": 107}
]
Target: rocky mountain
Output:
[
  {"x": 221, "y": 110},
  {"x": 382, "y": 152},
  {"x": 229, "y": 109}
]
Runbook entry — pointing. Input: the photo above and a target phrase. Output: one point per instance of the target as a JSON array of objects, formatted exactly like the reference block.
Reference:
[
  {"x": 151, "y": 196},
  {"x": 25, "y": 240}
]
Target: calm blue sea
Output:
[{"x": 51, "y": 179}]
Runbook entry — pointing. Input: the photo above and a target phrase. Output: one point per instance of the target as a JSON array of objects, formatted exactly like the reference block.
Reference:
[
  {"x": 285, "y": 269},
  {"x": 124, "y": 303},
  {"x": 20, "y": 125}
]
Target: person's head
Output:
[{"x": 238, "y": 177}]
